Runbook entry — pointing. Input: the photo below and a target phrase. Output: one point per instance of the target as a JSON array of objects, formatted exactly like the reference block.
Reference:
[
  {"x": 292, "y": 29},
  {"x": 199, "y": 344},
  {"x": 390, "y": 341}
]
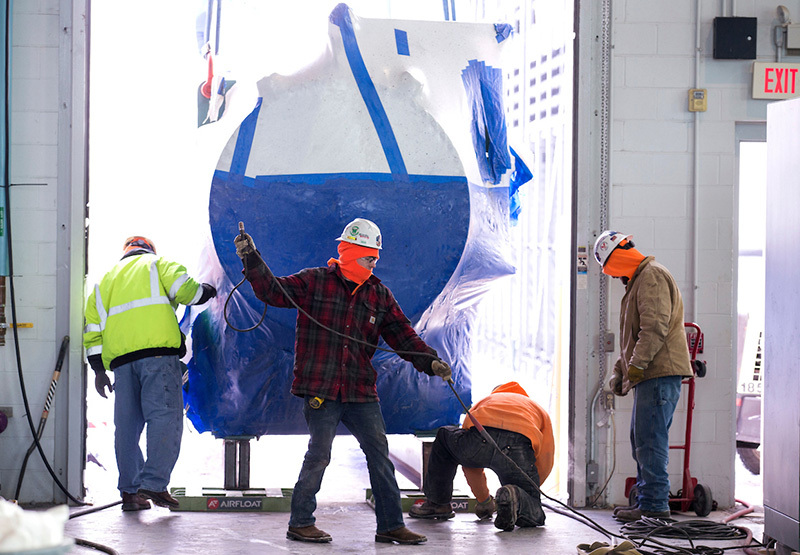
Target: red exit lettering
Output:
[{"x": 784, "y": 80}]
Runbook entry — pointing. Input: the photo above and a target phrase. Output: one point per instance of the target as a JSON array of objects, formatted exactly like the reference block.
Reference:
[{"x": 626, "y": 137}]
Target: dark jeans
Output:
[
  {"x": 365, "y": 422},
  {"x": 457, "y": 446}
]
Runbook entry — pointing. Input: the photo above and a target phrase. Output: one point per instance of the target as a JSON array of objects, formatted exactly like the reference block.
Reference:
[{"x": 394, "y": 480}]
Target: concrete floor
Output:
[
  {"x": 160, "y": 531},
  {"x": 343, "y": 513}
]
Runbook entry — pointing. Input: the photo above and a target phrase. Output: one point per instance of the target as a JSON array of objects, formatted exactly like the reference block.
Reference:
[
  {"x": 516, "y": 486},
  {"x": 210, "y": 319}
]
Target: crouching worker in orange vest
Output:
[{"x": 522, "y": 430}]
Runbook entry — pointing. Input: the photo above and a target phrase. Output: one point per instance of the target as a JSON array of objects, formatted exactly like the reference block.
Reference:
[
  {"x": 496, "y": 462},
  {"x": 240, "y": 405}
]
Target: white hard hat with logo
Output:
[
  {"x": 606, "y": 243},
  {"x": 362, "y": 232}
]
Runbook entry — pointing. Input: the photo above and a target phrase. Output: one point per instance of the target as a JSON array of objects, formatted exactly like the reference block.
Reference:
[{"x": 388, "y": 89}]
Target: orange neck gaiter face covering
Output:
[
  {"x": 622, "y": 263},
  {"x": 348, "y": 255}
]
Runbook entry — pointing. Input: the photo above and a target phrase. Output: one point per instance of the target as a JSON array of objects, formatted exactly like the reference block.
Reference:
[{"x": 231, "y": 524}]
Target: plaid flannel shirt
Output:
[{"x": 328, "y": 365}]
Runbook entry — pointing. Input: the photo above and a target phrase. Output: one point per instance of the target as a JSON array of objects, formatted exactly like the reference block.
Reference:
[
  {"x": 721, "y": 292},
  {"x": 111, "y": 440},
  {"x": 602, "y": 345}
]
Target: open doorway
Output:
[
  {"x": 144, "y": 139},
  {"x": 751, "y": 233}
]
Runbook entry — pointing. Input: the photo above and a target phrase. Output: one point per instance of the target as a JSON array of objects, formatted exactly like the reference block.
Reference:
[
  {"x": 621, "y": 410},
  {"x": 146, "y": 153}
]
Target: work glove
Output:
[
  {"x": 485, "y": 509},
  {"x": 244, "y": 245},
  {"x": 615, "y": 384},
  {"x": 602, "y": 548},
  {"x": 209, "y": 290},
  {"x": 101, "y": 382},
  {"x": 442, "y": 369},
  {"x": 635, "y": 374}
]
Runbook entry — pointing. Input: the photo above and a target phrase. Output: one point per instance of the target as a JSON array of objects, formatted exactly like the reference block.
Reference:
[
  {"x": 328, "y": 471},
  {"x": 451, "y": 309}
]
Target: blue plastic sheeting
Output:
[
  {"x": 484, "y": 85},
  {"x": 519, "y": 178},
  {"x": 442, "y": 247}
]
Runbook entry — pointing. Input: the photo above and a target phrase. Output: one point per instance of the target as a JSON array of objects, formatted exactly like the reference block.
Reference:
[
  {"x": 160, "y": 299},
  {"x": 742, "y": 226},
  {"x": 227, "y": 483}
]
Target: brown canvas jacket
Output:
[{"x": 651, "y": 328}]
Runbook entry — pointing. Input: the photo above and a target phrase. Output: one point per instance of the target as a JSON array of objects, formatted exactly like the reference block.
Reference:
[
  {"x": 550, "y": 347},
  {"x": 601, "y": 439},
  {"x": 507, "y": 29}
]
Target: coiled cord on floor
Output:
[
  {"x": 686, "y": 529},
  {"x": 646, "y": 528}
]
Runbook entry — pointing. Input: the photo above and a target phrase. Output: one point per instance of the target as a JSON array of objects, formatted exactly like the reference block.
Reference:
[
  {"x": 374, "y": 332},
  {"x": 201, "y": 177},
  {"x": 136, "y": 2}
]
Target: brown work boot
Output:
[
  {"x": 401, "y": 535},
  {"x": 160, "y": 498},
  {"x": 308, "y": 534},
  {"x": 134, "y": 502},
  {"x": 432, "y": 511}
]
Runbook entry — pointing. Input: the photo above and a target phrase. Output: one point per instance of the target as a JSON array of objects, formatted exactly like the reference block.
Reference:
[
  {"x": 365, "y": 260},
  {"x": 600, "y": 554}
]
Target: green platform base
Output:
[
  {"x": 276, "y": 500},
  {"x": 408, "y": 498}
]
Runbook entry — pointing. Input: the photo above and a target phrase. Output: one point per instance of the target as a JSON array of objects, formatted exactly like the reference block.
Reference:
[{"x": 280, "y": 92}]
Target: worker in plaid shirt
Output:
[{"x": 334, "y": 373}]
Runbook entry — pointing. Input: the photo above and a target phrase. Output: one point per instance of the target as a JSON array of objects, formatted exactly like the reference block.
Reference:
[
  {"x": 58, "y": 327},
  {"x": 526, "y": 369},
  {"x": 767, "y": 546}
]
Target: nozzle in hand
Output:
[{"x": 244, "y": 243}]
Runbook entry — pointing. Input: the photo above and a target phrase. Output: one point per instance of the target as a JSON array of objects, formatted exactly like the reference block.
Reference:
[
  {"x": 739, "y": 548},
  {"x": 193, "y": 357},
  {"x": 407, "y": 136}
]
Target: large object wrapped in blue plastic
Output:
[{"x": 399, "y": 122}]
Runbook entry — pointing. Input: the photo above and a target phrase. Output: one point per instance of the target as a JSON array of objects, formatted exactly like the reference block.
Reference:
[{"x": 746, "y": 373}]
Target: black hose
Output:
[
  {"x": 97, "y": 546},
  {"x": 76, "y": 514},
  {"x": 45, "y": 412}
]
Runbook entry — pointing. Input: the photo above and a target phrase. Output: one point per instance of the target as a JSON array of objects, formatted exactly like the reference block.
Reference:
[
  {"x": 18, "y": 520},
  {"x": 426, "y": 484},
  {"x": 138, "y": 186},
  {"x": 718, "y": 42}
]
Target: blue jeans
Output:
[
  {"x": 457, "y": 446},
  {"x": 365, "y": 422},
  {"x": 147, "y": 391},
  {"x": 654, "y": 403}
]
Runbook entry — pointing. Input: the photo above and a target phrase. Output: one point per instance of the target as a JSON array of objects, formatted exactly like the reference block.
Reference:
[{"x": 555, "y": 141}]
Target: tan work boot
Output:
[
  {"x": 625, "y": 508},
  {"x": 401, "y": 535},
  {"x": 485, "y": 510},
  {"x": 632, "y": 515},
  {"x": 308, "y": 534}
]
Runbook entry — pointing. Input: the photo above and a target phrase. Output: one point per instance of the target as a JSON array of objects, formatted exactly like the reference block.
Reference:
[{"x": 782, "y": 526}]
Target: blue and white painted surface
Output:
[{"x": 400, "y": 122}]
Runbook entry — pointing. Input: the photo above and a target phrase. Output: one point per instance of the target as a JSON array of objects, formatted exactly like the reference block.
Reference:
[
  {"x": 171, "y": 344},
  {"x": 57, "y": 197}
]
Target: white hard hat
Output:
[
  {"x": 606, "y": 243},
  {"x": 362, "y": 232}
]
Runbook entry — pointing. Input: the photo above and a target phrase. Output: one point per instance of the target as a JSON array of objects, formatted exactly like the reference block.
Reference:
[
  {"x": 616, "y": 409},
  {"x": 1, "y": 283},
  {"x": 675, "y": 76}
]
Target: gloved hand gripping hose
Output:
[{"x": 235, "y": 287}]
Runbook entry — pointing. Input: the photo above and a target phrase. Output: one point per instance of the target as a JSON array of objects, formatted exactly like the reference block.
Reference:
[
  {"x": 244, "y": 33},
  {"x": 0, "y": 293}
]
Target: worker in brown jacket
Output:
[
  {"x": 653, "y": 360},
  {"x": 524, "y": 433}
]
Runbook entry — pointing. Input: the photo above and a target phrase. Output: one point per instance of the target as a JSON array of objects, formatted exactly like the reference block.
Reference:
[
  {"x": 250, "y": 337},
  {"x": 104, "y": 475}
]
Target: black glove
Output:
[
  {"x": 442, "y": 369},
  {"x": 209, "y": 292},
  {"x": 615, "y": 384},
  {"x": 244, "y": 245},
  {"x": 101, "y": 382}
]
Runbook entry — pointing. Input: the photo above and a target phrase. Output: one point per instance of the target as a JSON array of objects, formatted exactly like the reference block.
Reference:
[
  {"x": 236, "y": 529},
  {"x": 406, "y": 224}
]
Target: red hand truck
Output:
[{"x": 692, "y": 495}]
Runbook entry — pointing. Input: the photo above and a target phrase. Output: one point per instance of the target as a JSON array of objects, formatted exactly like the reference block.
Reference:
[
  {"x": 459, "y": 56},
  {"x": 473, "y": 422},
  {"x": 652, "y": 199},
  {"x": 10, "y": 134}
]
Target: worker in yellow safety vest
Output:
[{"x": 131, "y": 329}]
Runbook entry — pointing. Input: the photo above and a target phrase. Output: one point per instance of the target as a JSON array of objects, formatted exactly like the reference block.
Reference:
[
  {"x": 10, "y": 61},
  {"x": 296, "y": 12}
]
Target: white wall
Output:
[
  {"x": 652, "y": 181},
  {"x": 42, "y": 218}
]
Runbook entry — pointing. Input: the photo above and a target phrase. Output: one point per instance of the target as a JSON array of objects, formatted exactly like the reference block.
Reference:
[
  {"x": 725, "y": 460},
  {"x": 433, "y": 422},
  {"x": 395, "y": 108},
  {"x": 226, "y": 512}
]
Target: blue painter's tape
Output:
[
  {"x": 340, "y": 16},
  {"x": 401, "y": 38},
  {"x": 244, "y": 141},
  {"x": 503, "y": 31}
]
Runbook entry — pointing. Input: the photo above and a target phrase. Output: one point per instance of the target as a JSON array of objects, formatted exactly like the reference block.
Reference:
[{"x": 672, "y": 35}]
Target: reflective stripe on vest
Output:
[{"x": 155, "y": 298}]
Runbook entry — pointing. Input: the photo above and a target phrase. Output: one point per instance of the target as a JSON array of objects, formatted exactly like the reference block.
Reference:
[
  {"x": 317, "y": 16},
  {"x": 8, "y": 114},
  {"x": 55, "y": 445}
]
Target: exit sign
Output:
[{"x": 776, "y": 81}]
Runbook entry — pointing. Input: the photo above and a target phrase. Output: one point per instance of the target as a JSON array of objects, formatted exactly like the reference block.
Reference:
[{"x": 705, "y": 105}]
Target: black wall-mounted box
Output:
[{"x": 735, "y": 38}]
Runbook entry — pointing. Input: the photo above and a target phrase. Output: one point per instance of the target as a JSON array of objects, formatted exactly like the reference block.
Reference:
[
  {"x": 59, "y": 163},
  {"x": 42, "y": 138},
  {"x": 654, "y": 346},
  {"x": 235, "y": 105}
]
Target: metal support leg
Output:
[{"x": 237, "y": 462}]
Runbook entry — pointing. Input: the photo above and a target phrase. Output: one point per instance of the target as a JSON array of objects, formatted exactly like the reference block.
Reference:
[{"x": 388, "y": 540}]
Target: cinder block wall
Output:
[
  {"x": 652, "y": 179},
  {"x": 34, "y": 125}
]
